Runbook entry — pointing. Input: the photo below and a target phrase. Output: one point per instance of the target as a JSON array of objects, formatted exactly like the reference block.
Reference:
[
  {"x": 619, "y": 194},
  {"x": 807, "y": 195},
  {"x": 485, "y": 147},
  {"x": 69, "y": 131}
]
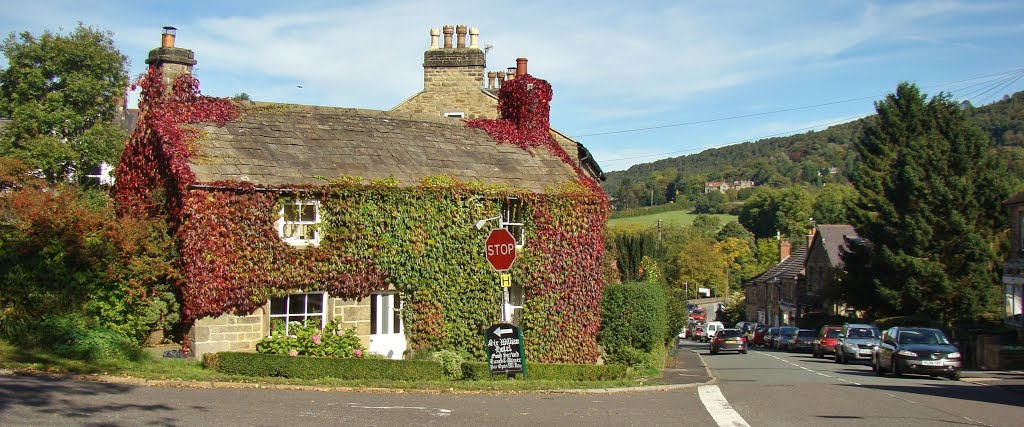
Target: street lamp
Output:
[{"x": 480, "y": 224}]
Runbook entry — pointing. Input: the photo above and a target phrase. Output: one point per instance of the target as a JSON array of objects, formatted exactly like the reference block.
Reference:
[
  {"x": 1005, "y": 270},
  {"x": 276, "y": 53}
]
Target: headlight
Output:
[
  {"x": 953, "y": 355},
  {"x": 850, "y": 345},
  {"x": 907, "y": 353}
]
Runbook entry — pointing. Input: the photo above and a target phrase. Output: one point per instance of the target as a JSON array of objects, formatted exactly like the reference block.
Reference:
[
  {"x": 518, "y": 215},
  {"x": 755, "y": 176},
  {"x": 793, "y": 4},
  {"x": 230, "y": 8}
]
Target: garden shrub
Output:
[
  {"x": 552, "y": 372},
  {"x": 273, "y": 365},
  {"x": 451, "y": 363},
  {"x": 633, "y": 321},
  {"x": 310, "y": 340},
  {"x": 76, "y": 336}
]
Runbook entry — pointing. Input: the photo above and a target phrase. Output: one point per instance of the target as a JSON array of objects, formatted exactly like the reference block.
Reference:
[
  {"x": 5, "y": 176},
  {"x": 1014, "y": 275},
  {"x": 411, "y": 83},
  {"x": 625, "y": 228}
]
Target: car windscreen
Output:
[
  {"x": 862, "y": 333},
  {"x": 807, "y": 334},
  {"x": 728, "y": 333},
  {"x": 833, "y": 333},
  {"x": 923, "y": 336}
]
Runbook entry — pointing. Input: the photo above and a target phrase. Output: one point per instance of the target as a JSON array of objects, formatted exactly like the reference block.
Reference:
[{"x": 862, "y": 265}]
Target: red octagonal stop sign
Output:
[{"x": 500, "y": 249}]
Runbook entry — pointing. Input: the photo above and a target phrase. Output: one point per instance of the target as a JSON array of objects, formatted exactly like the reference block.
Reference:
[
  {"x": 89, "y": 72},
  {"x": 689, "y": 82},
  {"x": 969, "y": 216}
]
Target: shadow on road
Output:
[
  {"x": 953, "y": 390},
  {"x": 62, "y": 397}
]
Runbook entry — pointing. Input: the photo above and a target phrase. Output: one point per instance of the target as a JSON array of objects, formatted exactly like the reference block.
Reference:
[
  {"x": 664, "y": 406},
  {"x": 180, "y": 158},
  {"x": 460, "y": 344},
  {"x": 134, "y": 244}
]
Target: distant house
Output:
[
  {"x": 1013, "y": 267},
  {"x": 723, "y": 186},
  {"x": 825, "y": 264},
  {"x": 294, "y": 213},
  {"x": 776, "y": 296}
]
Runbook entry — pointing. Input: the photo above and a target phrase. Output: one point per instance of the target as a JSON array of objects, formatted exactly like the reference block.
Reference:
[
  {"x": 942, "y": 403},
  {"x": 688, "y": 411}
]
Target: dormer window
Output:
[{"x": 298, "y": 223}]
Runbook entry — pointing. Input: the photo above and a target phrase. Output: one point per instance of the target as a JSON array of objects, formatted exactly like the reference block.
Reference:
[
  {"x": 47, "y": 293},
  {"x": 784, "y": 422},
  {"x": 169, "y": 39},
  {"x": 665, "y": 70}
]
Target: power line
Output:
[
  {"x": 734, "y": 142},
  {"x": 805, "y": 107}
]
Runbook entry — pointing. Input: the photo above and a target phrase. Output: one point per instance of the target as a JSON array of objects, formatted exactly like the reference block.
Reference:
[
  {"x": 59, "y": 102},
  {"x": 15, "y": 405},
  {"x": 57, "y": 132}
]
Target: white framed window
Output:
[
  {"x": 385, "y": 313},
  {"x": 304, "y": 308},
  {"x": 298, "y": 222},
  {"x": 455, "y": 114},
  {"x": 515, "y": 302},
  {"x": 513, "y": 216}
]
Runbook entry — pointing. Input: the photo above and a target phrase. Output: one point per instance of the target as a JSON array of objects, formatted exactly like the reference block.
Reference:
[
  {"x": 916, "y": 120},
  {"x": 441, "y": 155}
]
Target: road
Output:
[
  {"x": 774, "y": 388},
  {"x": 762, "y": 388}
]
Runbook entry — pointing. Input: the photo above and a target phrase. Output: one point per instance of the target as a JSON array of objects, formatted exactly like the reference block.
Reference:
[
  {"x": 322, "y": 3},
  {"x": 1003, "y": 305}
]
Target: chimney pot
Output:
[
  {"x": 460, "y": 31},
  {"x": 474, "y": 34},
  {"x": 167, "y": 40},
  {"x": 501, "y": 78},
  {"x": 435, "y": 33},
  {"x": 520, "y": 67},
  {"x": 490, "y": 79},
  {"x": 448, "y": 31}
]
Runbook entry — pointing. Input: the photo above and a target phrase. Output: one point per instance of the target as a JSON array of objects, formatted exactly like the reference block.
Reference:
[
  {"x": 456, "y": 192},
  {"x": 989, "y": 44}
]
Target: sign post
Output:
[
  {"x": 505, "y": 350},
  {"x": 500, "y": 252}
]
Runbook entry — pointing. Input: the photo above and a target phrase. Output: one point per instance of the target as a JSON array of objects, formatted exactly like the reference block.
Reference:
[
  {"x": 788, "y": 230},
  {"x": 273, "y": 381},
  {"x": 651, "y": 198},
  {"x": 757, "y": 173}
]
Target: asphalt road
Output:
[
  {"x": 775, "y": 388},
  {"x": 765, "y": 388}
]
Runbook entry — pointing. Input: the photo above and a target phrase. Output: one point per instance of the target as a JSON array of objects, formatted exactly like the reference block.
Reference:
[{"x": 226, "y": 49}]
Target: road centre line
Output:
[{"x": 719, "y": 408}]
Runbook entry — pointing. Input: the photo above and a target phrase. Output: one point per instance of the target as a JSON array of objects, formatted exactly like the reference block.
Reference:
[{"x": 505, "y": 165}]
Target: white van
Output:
[{"x": 711, "y": 329}]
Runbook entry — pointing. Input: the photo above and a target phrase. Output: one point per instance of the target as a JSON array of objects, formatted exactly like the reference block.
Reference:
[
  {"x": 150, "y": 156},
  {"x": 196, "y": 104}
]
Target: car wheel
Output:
[
  {"x": 955, "y": 376},
  {"x": 895, "y": 368},
  {"x": 843, "y": 358},
  {"x": 713, "y": 352},
  {"x": 743, "y": 352},
  {"x": 877, "y": 366},
  {"x": 836, "y": 358}
]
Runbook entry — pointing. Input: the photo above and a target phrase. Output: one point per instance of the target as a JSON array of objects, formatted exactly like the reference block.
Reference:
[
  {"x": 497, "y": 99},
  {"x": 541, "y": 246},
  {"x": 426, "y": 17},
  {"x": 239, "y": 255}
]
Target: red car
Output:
[
  {"x": 826, "y": 343},
  {"x": 759, "y": 333},
  {"x": 698, "y": 333},
  {"x": 698, "y": 314}
]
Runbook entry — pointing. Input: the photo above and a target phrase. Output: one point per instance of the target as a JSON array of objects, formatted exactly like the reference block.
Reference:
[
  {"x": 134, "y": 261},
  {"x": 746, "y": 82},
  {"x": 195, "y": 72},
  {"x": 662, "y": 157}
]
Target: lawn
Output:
[{"x": 667, "y": 218}]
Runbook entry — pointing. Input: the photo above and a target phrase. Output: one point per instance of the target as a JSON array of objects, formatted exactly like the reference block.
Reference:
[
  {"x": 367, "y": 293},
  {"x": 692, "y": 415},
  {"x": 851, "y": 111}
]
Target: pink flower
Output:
[
  {"x": 358, "y": 352},
  {"x": 293, "y": 352},
  {"x": 316, "y": 339}
]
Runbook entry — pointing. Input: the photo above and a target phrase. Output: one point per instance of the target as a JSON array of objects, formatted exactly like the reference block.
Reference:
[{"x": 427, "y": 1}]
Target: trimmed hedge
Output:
[
  {"x": 272, "y": 365},
  {"x": 634, "y": 316},
  {"x": 552, "y": 372}
]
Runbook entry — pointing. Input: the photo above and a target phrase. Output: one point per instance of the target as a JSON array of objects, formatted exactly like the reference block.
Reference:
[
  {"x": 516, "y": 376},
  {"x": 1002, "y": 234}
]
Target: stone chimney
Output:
[
  {"x": 785, "y": 248},
  {"x": 520, "y": 67},
  {"x": 453, "y": 69},
  {"x": 171, "y": 61}
]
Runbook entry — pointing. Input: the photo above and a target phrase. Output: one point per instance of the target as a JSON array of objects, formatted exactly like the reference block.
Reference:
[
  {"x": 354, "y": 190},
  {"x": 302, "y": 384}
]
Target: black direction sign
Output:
[{"x": 505, "y": 349}]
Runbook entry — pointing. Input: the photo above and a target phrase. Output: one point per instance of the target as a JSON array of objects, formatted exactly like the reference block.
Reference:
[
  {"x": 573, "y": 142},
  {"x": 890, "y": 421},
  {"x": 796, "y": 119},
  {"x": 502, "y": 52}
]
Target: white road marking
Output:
[{"x": 719, "y": 408}]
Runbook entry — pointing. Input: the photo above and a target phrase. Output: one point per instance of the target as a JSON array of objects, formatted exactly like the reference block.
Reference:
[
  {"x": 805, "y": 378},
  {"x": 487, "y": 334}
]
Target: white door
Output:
[{"x": 386, "y": 335}]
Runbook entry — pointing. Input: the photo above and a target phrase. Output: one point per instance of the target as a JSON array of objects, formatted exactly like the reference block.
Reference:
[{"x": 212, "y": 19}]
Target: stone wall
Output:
[
  {"x": 228, "y": 333},
  {"x": 352, "y": 313}
]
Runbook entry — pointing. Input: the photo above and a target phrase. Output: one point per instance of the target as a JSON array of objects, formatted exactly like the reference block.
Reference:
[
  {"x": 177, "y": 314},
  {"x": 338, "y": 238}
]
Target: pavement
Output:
[
  {"x": 685, "y": 367},
  {"x": 1007, "y": 380}
]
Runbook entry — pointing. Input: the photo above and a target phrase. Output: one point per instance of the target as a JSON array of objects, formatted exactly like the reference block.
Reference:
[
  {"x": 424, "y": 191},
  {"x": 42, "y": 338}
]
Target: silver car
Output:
[{"x": 857, "y": 341}]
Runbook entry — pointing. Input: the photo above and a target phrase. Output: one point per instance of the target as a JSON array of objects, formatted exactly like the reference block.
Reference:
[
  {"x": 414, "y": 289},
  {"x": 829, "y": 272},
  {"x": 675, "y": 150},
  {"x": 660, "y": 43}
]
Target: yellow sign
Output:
[{"x": 506, "y": 280}]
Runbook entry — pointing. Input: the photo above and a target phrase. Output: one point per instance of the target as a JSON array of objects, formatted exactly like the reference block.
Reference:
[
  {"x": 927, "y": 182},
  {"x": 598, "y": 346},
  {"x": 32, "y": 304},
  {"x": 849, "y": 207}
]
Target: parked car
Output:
[
  {"x": 786, "y": 336},
  {"x": 826, "y": 343},
  {"x": 746, "y": 328},
  {"x": 803, "y": 341},
  {"x": 856, "y": 341},
  {"x": 760, "y": 335},
  {"x": 698, "y": 314},
  {"x": 729, "y": 340},
  {"x": 771, "y": 337},
  {"x": 683, "y": 332},
  {"x": 915, "y": 350},
  {"x": 712, "y": 328}
]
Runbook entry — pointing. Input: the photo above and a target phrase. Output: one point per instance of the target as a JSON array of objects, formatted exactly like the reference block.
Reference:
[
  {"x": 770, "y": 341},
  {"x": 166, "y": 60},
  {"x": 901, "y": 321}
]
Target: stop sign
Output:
[{"x": 500, "y": 249}]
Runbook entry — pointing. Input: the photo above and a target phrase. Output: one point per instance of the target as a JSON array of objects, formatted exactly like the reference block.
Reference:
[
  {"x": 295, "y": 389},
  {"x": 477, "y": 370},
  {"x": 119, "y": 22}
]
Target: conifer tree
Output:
[{"x": 928, "y": 208}]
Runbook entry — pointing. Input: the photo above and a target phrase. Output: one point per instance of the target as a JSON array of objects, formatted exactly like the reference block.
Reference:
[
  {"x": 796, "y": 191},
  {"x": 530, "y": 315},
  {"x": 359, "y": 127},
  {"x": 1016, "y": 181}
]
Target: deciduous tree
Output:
[{"x": 61, "y": 93}]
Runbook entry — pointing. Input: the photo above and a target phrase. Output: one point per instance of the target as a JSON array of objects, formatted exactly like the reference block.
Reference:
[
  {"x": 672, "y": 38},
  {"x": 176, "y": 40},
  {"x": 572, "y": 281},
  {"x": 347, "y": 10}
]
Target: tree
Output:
[
  {"x": 832, "y": 204},
  {"x": 929, "y": 208},
  {"x": 61, "y": 93},
  {"x": 785, "y": 211}
]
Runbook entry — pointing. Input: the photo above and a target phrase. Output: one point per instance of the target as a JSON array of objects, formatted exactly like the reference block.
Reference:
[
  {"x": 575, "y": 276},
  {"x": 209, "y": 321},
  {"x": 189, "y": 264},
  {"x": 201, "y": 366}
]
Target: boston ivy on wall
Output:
[{"x": 419, "y": 239}]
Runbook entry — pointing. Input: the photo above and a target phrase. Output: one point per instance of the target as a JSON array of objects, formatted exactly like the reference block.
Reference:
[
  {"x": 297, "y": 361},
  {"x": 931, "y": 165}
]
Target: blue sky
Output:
[{"x": 634, "y": 81}]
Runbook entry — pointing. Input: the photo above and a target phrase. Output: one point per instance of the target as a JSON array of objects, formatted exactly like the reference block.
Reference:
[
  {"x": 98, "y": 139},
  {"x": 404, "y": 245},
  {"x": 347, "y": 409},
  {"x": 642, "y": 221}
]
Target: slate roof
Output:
[
  {"x": 789, "y": 267},
  {"x": 833, "y": 237},
  {"x": 286, "y": 144}
]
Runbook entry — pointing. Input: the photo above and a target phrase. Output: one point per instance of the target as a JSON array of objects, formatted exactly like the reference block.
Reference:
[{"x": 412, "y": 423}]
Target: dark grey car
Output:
[
  {"x": 729, "y": 340},
  {"x": 915, "y": 350}
]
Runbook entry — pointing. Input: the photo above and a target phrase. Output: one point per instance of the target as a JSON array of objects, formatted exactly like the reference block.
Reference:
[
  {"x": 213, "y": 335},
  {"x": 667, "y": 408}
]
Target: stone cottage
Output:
[{"x": 265, "y": 199}]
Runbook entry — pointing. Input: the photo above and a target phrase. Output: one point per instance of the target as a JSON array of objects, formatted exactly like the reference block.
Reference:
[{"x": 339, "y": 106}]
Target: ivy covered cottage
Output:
[{"x": 293, "y": 213}]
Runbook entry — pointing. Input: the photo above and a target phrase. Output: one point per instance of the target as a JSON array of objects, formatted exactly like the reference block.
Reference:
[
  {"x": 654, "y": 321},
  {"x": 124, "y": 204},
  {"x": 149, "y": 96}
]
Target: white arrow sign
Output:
[{"x": 501, "y": 331}]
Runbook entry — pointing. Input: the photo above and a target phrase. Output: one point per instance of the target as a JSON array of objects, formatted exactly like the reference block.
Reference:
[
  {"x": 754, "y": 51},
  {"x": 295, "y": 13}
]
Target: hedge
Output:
[
  {"x": 272, "y": 365},
  {"x": 634, "y": 316}
]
